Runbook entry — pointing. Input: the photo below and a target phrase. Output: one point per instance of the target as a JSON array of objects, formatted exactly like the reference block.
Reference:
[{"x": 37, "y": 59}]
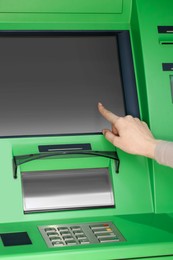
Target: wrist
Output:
[{"x": 150, "y": 148}]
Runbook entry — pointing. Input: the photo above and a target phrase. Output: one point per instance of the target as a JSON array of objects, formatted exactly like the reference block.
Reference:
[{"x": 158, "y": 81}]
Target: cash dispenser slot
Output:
[
  {"x": 66, "y": 189},
  {"x": 56, "y": 190}
]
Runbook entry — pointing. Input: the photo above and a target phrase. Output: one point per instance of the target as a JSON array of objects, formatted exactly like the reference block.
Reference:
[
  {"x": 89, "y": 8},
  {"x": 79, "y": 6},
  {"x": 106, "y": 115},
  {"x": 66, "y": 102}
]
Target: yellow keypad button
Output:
[{"x": 108, "y": 229}]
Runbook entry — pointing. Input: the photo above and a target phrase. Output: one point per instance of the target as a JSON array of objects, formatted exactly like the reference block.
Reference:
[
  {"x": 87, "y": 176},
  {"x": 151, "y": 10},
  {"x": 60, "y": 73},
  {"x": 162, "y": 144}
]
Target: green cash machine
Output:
[{"x": 65, "y": 192}]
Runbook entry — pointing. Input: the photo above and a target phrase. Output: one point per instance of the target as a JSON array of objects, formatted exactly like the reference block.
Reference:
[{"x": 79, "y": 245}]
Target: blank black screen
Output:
[
  {"x": 52, "y": 84},
  {"x": 15, "y": 239}
]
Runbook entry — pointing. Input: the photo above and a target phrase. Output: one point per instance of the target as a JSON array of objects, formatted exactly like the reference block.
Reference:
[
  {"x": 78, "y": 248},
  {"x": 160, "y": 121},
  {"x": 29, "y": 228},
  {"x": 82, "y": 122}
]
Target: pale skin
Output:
[{"x": 129, "y": 134}]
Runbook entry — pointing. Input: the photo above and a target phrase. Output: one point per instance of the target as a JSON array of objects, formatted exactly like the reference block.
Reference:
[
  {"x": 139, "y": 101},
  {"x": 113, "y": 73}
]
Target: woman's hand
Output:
[{"x": 129, "y": 134}]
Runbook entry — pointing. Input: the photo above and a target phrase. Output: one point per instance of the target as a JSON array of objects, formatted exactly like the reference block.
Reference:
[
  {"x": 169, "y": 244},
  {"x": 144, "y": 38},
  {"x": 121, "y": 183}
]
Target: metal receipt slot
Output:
[{"x": 66, "y": 189}]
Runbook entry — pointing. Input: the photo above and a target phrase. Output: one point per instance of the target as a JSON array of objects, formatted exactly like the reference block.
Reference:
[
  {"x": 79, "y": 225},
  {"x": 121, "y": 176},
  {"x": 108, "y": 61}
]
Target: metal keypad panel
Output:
[{"x": 80, "y": 234}]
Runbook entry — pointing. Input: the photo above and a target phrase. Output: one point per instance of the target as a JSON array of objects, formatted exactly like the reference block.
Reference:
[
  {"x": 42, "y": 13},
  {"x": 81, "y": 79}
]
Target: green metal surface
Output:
[
  {"x": 158, "y": 88},
  {"x": 66, "y": 6},
  {"x": 107, "y": 15},
  {"x": 142, "y": 189},
  {"x": 146, "y": 235},
  {"x": 125, "y": 189}
]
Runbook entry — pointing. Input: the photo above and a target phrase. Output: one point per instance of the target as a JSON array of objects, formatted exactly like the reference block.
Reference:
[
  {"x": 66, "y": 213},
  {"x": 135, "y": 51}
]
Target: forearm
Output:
[{"x": 164, "y": 153}]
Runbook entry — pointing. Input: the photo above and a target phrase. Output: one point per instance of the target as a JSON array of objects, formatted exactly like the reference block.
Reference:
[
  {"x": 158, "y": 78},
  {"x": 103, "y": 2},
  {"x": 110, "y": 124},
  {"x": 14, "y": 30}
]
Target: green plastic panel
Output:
[
  {"x": 129, "y": 198},
  {"x": 62, "y": 6},
  {"x": 155, "y": 88},
  {"x": 147, "y": 235},
  {"x": 65, "y": 15}
]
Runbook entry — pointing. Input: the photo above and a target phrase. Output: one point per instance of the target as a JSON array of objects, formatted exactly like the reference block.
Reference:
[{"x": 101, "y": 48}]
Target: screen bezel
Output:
[{"x": 131, "y": 105}]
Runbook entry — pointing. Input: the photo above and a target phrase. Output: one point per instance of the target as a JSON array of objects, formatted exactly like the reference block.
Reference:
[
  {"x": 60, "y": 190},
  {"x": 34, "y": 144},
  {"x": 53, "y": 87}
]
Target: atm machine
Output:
[{"x": 66, "y": 192}]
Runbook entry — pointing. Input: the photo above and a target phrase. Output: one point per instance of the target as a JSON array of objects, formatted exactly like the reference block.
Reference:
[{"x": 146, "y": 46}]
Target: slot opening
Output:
[
  {"x": 45, "y": 191},
  {"x": 165, "y": 29},
  {"x": 166, "y": 42},
  {"x": 22, "y": 159}
]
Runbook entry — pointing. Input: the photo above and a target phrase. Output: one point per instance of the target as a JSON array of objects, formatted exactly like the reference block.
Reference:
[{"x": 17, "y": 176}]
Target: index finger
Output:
[{"x": 112, "y": 118}]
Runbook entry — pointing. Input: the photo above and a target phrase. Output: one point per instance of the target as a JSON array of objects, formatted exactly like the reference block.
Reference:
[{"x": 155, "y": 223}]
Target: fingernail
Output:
[{"x": 100, "y": 104}]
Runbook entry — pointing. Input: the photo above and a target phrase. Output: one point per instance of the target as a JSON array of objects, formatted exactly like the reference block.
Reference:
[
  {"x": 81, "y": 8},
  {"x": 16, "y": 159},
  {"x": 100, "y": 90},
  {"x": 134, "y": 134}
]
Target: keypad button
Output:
[
  {"x": 59, "y": 244},
  {"x": 62, "y": 229},
  {"x": 55, "y": 238},
  {"x": 109, "y": 229},
  {"x": 81, "y": 237},
  {"x": 102, "y": 232},
  {"x": 76, "y": 228},
  {"x": 84, "y": 242},
  {"x": 79, "y": 233},
  {"x": 68, "y": 238},
  {"x": 51, "y": 233},
  {"x": 66, "y": 235},
  {"x": 96, "y": 227},
  {"x": 99, "y": 236},
  {"x": 103, "y": 236},
  {"x": 65, "y": 232},
  {"x": 71, "y": 243},
  {"x": 49, "y": 229},
  {"x": 109, "y": 239}
]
